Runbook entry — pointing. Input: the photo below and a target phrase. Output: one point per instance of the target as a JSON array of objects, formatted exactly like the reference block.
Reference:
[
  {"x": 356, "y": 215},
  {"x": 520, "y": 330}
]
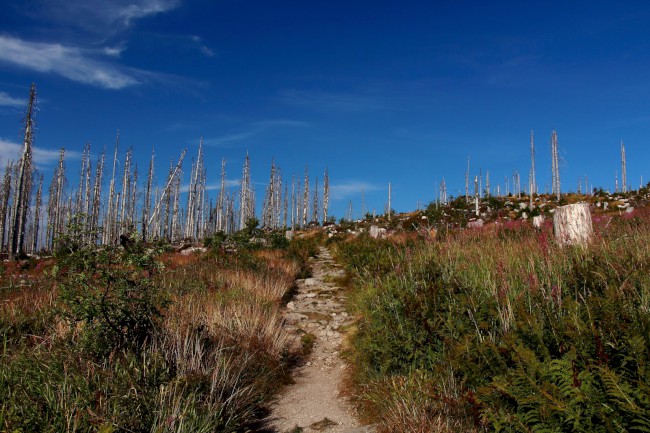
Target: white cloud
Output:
[
  {"x": 207, "y": 51},
  {"x": 114, "y": 51},
  {"x": 10, "y": 151},
  {"x": 344, "y": 190},
  {"x": 101, "y": 17},
  {"x": 73, "y": 63},
  {"x": 10, "y": 101}
]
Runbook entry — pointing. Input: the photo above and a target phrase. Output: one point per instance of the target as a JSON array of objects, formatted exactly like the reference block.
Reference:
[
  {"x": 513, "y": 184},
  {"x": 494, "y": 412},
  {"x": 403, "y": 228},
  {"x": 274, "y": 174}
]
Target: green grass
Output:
[{"x": 511, "y": 331}]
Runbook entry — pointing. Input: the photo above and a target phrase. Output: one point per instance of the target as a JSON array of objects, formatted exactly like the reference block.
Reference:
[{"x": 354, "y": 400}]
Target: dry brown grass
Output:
[
  {"x": 28, "y": 300},
  {"x": 414, "y": 404}
]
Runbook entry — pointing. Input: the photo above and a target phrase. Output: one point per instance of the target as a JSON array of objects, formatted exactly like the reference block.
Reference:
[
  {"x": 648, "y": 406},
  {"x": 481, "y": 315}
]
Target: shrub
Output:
[{"x": 110, "y": 291}]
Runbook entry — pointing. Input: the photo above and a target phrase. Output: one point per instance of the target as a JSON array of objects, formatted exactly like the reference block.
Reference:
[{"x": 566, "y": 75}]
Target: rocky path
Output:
[{"x": 317, "y": 313}]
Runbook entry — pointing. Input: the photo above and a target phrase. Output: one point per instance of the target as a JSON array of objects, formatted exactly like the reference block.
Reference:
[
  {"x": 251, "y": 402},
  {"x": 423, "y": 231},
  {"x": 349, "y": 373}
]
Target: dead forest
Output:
[{"x": 171, "y": 211}]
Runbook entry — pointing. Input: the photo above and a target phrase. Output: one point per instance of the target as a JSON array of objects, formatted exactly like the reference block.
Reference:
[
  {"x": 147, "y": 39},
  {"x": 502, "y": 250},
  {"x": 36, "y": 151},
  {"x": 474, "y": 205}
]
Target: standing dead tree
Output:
[
  {"x": 555, "y": 160},
  {"x": 5, "y": 190},
  {"x": 388, "y": 204},
  {"x": 111, "y": 212},
  {"x": 24, "y": 180},
  {"x": 55, "y": 205},
  {"x": 314, "y": 206},
  {"x": 97, "y": 194},
  {"x": 305, "y": 200},
  {"x": 467, "y": 182},
  {"x": 623, "y": 169},
  {"x": 294, "y": 205},
  {"x": 133, "y": 195},
  {"x": 326, "y": 195},
  {"x": 533, "y": 180},
  {"x": 173, "y": 181},
  {"x": 176, "y": 179},
  {"x": 37, "y": 216},
  {"x": 126, "y": 193},
  {"x": 221, "y": 201},
  {"x": 476, "y": 196},
  {"x": 246, "y": 195},
  {"x": 146, "y": 206},
  {"x": 286, "y": 205},
  {"x": 443, "y": 192},
  {"x": 195, "y": 197},
  {"x": 269, "y": 206}
]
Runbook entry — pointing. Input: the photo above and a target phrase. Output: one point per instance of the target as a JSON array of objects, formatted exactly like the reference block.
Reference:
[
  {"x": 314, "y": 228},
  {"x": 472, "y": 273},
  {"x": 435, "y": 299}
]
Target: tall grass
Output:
[
  {"x": 216, "y": 355},
  {"x": 532, "y": 336}
]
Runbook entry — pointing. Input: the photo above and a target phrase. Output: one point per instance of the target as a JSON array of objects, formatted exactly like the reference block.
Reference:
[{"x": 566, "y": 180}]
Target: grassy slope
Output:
[
  {"x": 499, "y": 329},
  {"x": 215, "y": 355}
]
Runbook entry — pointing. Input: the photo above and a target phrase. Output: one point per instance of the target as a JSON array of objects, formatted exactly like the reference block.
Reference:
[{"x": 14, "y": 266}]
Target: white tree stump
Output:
[
  {"x": 538, "y": 221},
  {"x": 572, "y": 224},
  {"x": 377, "y": 232}
]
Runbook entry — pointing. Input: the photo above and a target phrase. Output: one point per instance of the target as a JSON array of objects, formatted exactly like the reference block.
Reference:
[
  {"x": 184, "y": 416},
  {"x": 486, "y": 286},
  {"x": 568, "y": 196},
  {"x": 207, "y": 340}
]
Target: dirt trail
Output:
[{"x": 314, "y": 403}]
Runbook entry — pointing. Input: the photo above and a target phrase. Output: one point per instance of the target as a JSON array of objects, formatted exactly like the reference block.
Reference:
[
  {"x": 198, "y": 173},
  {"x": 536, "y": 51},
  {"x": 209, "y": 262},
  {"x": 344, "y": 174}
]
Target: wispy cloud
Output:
[
  {"x": 9, "y": 101},
  {"x": 331, "y": 101},
  {"x": 340, "y": 191},
  {"x": 101, "y": 17},
  {"x": 207, "y": 51},
  {"x": 12, "y": 151},
  {"x": 254, "y": 129},
  {"x": 76, "y": 64}
]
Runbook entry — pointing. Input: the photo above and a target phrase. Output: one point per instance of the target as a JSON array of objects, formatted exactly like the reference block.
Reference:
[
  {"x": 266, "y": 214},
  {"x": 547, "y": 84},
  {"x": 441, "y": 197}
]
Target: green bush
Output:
[{"x": 109, "y": 290}]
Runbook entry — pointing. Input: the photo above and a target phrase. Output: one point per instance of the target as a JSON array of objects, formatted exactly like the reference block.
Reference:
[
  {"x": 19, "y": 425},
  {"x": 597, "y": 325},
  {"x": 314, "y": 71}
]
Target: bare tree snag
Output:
[
  {"x": 37, "y": 215},
  {"x": 24, "y": 180},
  {"x": 555, "y": 160},
  {"x": 326, "y": 195}
]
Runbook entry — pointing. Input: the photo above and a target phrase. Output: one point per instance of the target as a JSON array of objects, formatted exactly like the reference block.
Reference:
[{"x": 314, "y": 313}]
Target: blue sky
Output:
[{"x": 375, "y": 91}]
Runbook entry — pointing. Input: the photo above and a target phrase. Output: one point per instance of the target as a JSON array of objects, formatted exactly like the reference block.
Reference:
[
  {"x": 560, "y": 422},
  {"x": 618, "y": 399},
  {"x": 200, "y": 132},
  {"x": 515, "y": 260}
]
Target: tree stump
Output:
[{"x": 572, "y": 224}]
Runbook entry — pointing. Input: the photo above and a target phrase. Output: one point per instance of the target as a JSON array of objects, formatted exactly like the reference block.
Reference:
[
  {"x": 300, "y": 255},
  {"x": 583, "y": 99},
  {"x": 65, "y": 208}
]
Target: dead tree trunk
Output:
[
  {"x": 555, "y": 165},
  {"x": 314, "y": 210},
  {"x": 326, "y": 195},
  {"x": 147, "y": 199},
  {"x": 111, "y": 212},
  {"x": 5, "y": 190},
  {"x": 97, "y": 196},
  {"x": 305, "y": 200},
  {"x": 572, "y": 224},
  {"x": 173, "y": 181},
  {"x": 23, "y": 192},
  {"x": 37, "y": 215}
]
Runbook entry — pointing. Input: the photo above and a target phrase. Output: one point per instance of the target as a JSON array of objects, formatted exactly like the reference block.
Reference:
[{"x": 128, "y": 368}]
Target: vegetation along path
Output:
[{"x": 316, "y": 316}]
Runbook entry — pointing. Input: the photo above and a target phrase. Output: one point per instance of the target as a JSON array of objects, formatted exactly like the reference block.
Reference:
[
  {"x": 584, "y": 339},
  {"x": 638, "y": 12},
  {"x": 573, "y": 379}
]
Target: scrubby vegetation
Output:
[
  {"x": 500, "y": 329},
  {"x": 143, "y": 339}
]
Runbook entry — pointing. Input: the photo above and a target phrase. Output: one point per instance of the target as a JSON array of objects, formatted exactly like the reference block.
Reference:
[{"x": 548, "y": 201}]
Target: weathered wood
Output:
[
  {"x": 572, "y": 224},
  {"x": 326, "y": 195},
  {"x": 22, "y": 198}
]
